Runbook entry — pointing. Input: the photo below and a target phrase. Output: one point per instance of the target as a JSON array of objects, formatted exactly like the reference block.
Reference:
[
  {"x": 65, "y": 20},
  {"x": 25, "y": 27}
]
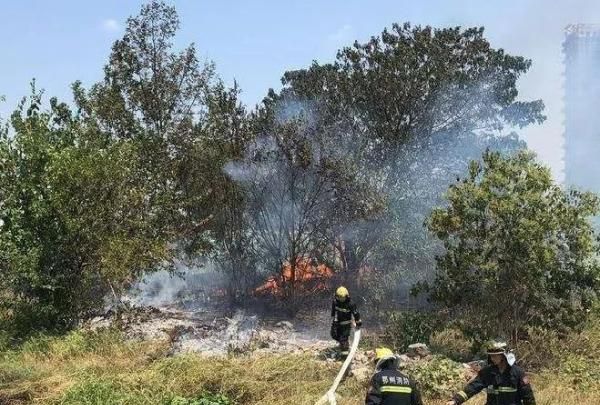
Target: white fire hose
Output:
[{"x": 330, "y": 394}]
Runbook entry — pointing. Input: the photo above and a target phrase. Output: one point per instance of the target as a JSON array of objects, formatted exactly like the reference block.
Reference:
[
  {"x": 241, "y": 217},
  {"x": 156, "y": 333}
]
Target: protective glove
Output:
[{"x": 358, "y": 325}]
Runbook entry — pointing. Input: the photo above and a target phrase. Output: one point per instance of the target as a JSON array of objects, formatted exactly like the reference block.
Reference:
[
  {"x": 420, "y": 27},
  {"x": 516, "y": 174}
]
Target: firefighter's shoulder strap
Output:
[{"x": 330, "y": 394}]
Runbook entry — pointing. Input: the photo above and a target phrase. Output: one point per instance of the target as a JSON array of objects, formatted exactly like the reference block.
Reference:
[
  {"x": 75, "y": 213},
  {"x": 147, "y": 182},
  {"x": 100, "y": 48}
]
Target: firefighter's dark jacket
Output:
[
  {"x": 343, "y": 311},
  {"x": 508, "y": 388},
  {"x": 390, "y": 387}
]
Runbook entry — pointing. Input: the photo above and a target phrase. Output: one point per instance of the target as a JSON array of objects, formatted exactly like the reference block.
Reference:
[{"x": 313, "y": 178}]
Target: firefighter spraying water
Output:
[{"x": 342, "y": 312}]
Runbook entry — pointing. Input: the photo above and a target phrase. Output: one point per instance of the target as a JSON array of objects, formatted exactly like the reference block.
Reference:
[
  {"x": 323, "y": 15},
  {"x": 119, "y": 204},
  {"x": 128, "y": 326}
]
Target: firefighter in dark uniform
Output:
[
  {"x": 505, "y": 382},
  {"x": 388, "y": 385},
  {"x": 342, "y": 312}
]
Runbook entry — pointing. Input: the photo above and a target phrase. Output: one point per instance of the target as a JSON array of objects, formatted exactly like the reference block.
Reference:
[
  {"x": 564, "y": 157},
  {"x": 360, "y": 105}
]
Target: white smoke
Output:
[{"x": 187, "y": 285}]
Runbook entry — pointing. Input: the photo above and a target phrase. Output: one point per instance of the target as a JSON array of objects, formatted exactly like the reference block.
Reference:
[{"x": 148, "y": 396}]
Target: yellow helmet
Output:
[
  {"x": 342, "y": 293},
  {"x": 382, "y": 352}
]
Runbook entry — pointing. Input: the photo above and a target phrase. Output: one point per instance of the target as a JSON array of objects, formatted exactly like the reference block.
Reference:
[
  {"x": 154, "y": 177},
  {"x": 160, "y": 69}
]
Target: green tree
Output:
[
  {"x": 90, "y": 201},
  {"x": 411, "y": 107},
  {"x": 227, "y": 134},
  {"x": 418, "y": 82},
  {"x": 188, "y": 125},
  {"x": 519, "y": 250},
  {"x": 157, "y": 97},
  {"x": 76, "y": 223},
  {"x": 149, "y": 90}
]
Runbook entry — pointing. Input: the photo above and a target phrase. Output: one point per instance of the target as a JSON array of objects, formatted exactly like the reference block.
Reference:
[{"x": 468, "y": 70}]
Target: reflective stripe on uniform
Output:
[
  {"x": 506, "y": 389},
  {"x": 463, "y": 395},
  {"x": 501, "y": 390},
  {"x": 396, "y": 389},
  {"x": 342, "y": 309},
  {"x": 345, "y": 322}
]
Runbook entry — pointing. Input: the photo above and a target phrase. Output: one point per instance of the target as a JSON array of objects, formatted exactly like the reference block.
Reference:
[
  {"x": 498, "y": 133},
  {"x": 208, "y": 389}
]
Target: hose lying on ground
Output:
[{"x": 330, "y": 394}]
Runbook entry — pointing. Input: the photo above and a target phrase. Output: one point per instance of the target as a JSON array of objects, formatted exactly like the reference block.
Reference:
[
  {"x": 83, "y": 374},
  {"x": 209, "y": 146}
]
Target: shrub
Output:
[
  {"x": 509, "y": 230},
  {"x": 437, "y": 377},
  {"x": 405, "y": 328},
  {"x": 73, "y": 343},
  {"x": 452, "y": 343}
]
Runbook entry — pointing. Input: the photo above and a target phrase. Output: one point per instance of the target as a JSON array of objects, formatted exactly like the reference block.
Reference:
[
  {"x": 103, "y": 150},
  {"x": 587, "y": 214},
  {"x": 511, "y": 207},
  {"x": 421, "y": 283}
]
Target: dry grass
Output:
[{"x": 100, "y": 369}]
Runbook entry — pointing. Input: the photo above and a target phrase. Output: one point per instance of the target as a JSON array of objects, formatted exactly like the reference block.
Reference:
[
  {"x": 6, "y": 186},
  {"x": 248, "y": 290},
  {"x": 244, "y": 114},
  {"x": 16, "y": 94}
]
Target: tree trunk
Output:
[{"x": 352, "y": 264}]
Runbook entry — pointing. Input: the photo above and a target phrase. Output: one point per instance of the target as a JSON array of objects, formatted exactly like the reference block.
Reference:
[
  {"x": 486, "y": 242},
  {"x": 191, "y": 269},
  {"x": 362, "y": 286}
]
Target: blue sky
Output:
[{"x": 254, "y": 42}]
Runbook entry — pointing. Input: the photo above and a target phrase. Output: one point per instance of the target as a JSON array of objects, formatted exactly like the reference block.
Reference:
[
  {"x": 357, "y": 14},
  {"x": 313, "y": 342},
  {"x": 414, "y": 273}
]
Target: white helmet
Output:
[{"x": 500, "y": 347}]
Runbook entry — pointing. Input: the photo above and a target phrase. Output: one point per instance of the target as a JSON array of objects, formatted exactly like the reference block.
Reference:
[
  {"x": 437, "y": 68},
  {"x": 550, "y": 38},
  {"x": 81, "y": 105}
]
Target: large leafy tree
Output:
[
  {"x": 188, "y": 126},
  {"x": 415, "y": 104},
  {"x": 519, "y": 250},
  {"x": 89, "y": 201},
  {"x": 420, "y": 81},
  {"x": 76, "y": 223},
  {"x": 158, "y": 97}
]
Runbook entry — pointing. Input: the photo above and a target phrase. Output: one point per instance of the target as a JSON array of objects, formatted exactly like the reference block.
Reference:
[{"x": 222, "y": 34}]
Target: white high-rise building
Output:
[{"x": 582, "y": 106}]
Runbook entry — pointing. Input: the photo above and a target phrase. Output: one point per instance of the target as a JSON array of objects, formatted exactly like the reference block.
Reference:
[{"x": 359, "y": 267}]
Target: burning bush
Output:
[{"x": 306, "y": 278}]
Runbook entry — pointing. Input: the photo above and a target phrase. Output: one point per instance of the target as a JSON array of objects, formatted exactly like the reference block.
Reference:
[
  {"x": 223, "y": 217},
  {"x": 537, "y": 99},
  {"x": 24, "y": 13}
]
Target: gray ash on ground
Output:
[{"x": 217, "y": 331}]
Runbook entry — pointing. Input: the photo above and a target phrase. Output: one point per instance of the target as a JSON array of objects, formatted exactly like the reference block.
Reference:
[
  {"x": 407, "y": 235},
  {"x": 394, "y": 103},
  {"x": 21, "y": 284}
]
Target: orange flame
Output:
[{"x": 308, "y": 278}]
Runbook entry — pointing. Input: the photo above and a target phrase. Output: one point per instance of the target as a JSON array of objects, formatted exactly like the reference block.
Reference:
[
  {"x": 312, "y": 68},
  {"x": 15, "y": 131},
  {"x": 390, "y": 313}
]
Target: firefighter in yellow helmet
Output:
[
  {"x": 342, "y": 312},
  {"x": 388, "y": 385}
]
